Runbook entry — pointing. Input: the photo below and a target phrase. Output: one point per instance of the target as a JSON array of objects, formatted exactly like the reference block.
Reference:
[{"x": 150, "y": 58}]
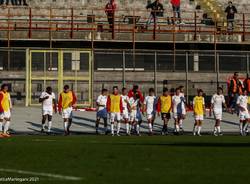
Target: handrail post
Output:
[
  {"x": 30, "y": 23},
  {"x": 195, "y": 26},
  {"x": 72, "y": 23},
  {"x": 154, "y": 32},
  {"x": 244, "y": 27}
]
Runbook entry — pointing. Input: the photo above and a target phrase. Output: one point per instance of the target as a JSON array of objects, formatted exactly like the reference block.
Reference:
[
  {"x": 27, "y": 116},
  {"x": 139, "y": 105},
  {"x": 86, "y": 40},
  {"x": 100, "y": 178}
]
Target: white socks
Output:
[
  {"x": 127, "y": 128},
  {"x": 6, "y": 126},
  {"x": 150, "y": 127},
  {"x": 245, "y": 127},
  {"x": 66, "y": 126},
  {"x": 177, "y": 128},
  {"x": 195, "y": 129},
  {"x": 241, "y": 127},
  {"x": 112, "y": 128},
  {"x": 1, "y": 127},
  {"x": 118, "y": 127},
  {"x": 199, "y": 129},
  {"x": 43, "y": 126},
  {"x": 49, "y": 125},
  {"x": 138, "y": 129},
  {"x": 180, "y": 123}
]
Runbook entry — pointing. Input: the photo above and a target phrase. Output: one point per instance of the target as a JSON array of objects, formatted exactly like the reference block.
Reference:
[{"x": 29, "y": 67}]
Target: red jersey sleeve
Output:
[
  {"x": 159, "y": 105},
  {"x": 1, "y": 98},
  {"x": 108, "y": 103},
  {"x": 74, "y": 98},
  {"x": 121, "y": 106}
]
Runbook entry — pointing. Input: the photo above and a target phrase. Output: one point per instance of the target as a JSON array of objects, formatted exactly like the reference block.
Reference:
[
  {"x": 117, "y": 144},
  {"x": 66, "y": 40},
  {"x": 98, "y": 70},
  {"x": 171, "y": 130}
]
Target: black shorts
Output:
[{"x": 165, "y": 116}]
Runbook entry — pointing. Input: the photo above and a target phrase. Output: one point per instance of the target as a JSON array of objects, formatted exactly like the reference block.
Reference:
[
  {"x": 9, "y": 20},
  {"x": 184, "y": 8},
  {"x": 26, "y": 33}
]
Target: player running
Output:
[
  {"x": 5, "y": 111},
  {"x": 66, "y": 102},
  {"x": 164, "y": 107},
  {"x": 217, "y": 102},
  {"x": 178, "y": 107},
  {"x": 125, "y": 106},
  {"x": 102, "y": 112},
  {"x": 199, "y": 112},
  {"x": 114, "y": 107},
  {"x": 244, "y": 114},
  {"x": 48, "y": 101},
  {"x": 150, "y": 107}
]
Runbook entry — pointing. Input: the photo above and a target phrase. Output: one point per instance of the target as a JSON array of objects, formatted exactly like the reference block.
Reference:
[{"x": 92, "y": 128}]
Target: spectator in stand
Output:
[
  {"x": 235, "y": 89},
  {"x": 231, "y": 11},
  {"x": 110, "y": 12},
  {"x": 156, "y": 11},
  {"x": 176, "y": 4}
]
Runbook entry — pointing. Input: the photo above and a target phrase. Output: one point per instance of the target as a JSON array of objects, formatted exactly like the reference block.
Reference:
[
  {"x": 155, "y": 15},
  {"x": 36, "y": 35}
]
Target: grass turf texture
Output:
[{"x": 105, "y": 159}]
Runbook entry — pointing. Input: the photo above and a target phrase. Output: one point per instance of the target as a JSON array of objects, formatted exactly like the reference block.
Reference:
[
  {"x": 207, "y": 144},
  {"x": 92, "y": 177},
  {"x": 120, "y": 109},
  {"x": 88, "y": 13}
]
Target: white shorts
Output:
[
  {"x": 132, "y": 115},
  {"x": 67, "y": 113},
  {"x": 47, "y": 112},
  {"x": 125, "y": 114},
  {"x": 218, "y": 114},
  {"x": 244, "y": 116},
  {"x": 199, "y": 117},
  {"x": 115, "y": 116},
  {"x": 4, "y": 115}
]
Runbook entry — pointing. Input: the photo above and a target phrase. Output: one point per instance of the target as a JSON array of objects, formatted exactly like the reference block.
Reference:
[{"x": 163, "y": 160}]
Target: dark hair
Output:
[
  {"x": 123, "y": 89},
  {"x": 177, "y": 89},
  {"x": 230, "y": 2},
  {"x": 220, "y": 88},
  {"x": 200, "y": 91},
  {"x": 49, "y": 88},
  {"x": 115, "y": 87},
  {"x": 151, "y": 90},
  {"x": 165, "y": 90},
  {"x": 3, "y": 86},
  {"x": 181, "y": 87},
  {"x": 104, "y": 90},
  {"x": 66, "y": 87},
  {"x": 236, "y": 73}
]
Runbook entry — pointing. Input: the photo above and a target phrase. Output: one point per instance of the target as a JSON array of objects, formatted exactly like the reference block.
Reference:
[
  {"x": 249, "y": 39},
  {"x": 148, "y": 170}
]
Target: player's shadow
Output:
[
  {"x": 225, "y": 121},
  {"x": 39, "y": 127}
]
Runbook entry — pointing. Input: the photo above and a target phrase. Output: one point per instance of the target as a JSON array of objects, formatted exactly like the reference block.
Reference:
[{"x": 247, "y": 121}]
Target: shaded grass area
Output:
[{"x": 105, "y": 159}]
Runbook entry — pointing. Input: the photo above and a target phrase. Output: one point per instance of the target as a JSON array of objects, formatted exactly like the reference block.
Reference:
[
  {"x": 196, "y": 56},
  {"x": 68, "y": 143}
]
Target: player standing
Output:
[
  {"x": 244, "y": 115},
  {"x": 178, "y": 109},
  {"x": 114, "y": 107},
  {"x": 149, "y": 107},
  {"x": 102, "y": 112},
  {"x": 5, "y": 111},
  {"x": 164, "y": 106},
  {"x": 48, "y": 101},
  {"x": 125, "y": 105},
  {"x": 183, "y": 99},
  {"x": 199, "y": 112},
  {"x": 217, "y": 102},
  {"x": 66, "y": 102},
  {"x": 135, "y": 118}
]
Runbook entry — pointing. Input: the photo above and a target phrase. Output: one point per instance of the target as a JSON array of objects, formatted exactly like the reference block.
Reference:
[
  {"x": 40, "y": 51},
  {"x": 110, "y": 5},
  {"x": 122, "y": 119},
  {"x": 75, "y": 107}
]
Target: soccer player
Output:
[
  {"x": 183, "y": 99},
  {"x": 66, "y": 102},
  {"x": 48, "y": 101},
  {"x": 114, "y": 107},
  {"x": 149, "y": 106},
  {"x": 5, "y": 111},
  {"x": 125, "y": 105},
  {"x": 244, "y": 115},
  {"x": 217, "y": 102},
  {"x": 102, "y": 112},
  {"x": 178, "y": 107},
  {"x": 199, "y": 112},
  {"x": 135, "y": 118},
  {"x": 164, "y": 106}
]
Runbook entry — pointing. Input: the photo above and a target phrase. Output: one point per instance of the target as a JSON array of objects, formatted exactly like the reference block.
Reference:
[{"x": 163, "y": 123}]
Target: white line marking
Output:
[{"x": 56, "y": 176}]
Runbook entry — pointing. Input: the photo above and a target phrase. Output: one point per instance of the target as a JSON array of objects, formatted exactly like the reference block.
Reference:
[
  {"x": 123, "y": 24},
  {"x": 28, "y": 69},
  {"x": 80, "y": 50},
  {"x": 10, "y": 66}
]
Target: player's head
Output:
[
  {"x": 236, "y": 75},
  {"x": 219, "y": 90},
  {"x": 165, "y": 91},
  {"x": 104, "y": 92},
  {"x": 66, "y": 88},
  {"x": 230, "y": 3},
  {"x": 200, "y": 92},
  {"x": 181, "y": 88},
  {"x": 49, "y": 90},
  {"x": 4, "y": 87},
  {"x": 177, "y": 91},
  {"x": 151, "y": 91},
  {"x": 124, "y": 91},
  {"x": 115, "y": 89},
  {"x": 244, "y": 91},
  {"x": 135, "y": 88}
]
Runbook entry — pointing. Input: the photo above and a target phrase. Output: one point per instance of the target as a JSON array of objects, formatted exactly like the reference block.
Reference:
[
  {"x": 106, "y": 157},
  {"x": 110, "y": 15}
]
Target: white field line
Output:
[{"x": 49, "y": 175}]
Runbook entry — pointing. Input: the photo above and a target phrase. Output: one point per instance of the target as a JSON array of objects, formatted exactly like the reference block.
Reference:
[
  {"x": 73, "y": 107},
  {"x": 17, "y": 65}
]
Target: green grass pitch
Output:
[{"x": 124, "y": 160}]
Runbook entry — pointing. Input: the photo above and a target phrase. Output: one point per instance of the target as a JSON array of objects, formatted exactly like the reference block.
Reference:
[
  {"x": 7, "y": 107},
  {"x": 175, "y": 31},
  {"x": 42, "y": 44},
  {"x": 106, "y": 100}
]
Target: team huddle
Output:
[{"x": 129, "y": 107}]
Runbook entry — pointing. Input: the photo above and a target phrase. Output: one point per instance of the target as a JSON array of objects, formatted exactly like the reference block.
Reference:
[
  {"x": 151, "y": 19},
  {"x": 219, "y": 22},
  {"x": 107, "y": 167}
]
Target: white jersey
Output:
[
  {"x": 125, "y": 99},
  {"x": 133, "y": 103},
  {"x": 218, "y": 101},
  {"x": 47, "y": 104},
  {"x": 178, "y": 104},
  {"x": 102, "y": 100},
  {"x": 150, "y": 102},
  {"x": 242, "y": 101}
]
